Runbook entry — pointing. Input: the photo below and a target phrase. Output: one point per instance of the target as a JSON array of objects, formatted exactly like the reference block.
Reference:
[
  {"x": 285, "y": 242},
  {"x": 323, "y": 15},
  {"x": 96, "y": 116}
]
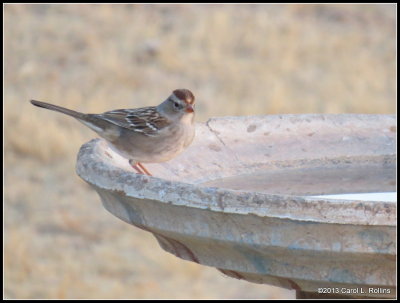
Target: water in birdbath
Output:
[
  {"x": 316, "y": 181},
  {"x": 382, "y": 197}
]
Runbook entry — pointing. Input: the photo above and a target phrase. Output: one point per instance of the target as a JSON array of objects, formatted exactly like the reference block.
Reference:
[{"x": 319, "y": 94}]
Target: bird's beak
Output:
[{"x": 189, "y": 108}]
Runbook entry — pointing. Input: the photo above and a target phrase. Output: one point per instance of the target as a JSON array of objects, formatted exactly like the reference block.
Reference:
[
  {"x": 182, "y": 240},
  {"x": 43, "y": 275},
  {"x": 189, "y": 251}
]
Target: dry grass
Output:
[{"x": 237, "y": 59}]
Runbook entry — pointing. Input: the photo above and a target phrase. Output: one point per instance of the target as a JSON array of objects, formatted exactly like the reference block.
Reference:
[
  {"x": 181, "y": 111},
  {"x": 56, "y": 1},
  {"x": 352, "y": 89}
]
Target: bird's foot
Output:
[{"x": 139, "y": 168}]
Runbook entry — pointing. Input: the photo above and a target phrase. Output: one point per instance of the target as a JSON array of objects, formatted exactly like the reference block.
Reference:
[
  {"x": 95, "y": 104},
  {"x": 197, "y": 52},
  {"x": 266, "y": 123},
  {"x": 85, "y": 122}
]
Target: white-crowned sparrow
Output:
[{"x": 150, "y": 134}]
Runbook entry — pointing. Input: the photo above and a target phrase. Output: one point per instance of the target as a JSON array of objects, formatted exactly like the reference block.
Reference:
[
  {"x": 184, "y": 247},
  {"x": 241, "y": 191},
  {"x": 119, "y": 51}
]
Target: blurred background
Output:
[{"x": 237, "y": 59}]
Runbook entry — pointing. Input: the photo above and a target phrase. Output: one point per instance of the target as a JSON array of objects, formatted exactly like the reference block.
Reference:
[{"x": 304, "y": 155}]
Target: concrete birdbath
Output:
[{"x": 248, "y": 198}]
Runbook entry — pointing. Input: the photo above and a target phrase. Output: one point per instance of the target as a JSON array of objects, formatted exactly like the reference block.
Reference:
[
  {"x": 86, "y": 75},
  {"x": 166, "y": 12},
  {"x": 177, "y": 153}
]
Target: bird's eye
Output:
[{"x": 176, "y": 104}]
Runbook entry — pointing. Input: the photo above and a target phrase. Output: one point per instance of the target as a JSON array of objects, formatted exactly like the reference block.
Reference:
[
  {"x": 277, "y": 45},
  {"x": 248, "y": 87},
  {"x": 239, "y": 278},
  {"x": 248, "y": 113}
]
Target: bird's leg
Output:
[
  {"x": 135, "y": 167},
  {"x": 144, "y": 169},
  {"x": 139, "y": 168}
]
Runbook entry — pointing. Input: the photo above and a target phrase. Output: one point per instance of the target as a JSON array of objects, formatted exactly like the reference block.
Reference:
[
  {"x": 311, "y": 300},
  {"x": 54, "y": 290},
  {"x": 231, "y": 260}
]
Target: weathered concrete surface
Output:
[{"x": 236, "y": 199}]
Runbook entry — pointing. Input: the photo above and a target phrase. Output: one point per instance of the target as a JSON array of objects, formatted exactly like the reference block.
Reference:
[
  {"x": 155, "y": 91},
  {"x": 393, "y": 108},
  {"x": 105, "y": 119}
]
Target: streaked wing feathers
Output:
[{"x": 144, "y": 120}]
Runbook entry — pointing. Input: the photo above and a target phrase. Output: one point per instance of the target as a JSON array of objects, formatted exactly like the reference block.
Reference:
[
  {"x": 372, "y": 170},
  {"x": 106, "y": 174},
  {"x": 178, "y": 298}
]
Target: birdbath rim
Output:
[{"x": 96, "y": 167}]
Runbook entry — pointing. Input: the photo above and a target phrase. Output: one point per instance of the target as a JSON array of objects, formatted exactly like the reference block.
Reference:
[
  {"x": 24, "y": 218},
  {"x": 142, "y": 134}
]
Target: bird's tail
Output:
[{"x": 60, "y": 109}]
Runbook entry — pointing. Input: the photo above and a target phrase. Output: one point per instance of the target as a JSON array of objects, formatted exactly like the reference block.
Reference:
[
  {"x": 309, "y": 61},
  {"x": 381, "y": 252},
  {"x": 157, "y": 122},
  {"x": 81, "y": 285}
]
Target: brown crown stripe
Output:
[{"x": 185, "y": 95}]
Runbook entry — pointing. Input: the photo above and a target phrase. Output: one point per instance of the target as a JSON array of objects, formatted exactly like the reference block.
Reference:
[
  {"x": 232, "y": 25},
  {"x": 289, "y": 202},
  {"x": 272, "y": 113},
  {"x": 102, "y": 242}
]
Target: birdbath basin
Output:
[{"x": 249, "y": 197}]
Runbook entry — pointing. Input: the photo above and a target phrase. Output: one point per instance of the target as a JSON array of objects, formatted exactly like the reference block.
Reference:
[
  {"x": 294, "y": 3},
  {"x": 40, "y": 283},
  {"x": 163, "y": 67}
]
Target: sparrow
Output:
[{"x": 150, "y": 134}]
